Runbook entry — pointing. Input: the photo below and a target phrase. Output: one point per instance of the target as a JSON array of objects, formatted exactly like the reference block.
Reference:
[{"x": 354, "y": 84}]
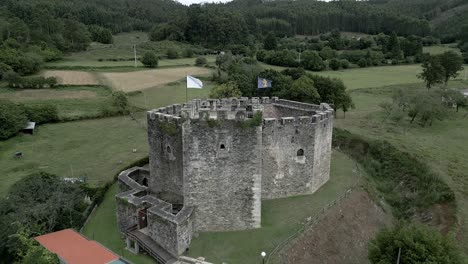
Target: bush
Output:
[
  {"x": 335, "y": 64},
  {"x": 150, "y": 59},
  {"x": 4, "y": 68},
  {"x": 12, "y": 119},
  {"x": 201, "y": 61},
  {"x": 465, "y": 57},
  {"x": 416, "y": 243},
  {"x": 226, "y": 90},
  {"x": 344, "y": 64},
  {"x": 44, "y": 113},
  {"x": 36, "y": 82},
  {"x": 188, "y": 53},
  {"x": 362, "y": 63},
  {"x": 172, "y": 54},
  {"x": 312, "y": 61}
]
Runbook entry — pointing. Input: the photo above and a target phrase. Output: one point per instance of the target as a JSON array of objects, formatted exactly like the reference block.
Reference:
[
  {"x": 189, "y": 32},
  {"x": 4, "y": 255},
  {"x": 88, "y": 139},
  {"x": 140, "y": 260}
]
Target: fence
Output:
[{"x": 309, "y": 223}]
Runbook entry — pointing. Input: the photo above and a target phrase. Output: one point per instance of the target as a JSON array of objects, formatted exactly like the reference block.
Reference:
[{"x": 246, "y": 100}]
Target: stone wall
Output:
[
  {"x": 166, "y": 156},
  {"x": 296, "y": 151},
  {"x": 223, "y": 174},
  {"x": 172, "y": 232}
]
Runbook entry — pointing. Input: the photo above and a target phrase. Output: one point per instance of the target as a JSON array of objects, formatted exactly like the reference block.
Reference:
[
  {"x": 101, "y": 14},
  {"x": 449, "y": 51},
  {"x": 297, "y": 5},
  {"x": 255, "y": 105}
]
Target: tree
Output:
[
  {"x": 433, "y": 72},
  {"x": 416, "y": 244},
  {"x": 31, "y": 252},
  {"x": 335, "y": 64},
  {"x": 455, "y": 98},
  {"x": 394, "y": 47},
  {"x": 120, "y": 102},
  {"x": 452, "y": 63},
  {"x": 270, "y": 42},
  {"x": 312, "y": 61},
  {"x": 226, "y": 90},
  {"x": 302, "y": 90},
  {"x": 327, "y": 53},
  {"x": 100, "y": 34},
  {"x": 150, "y": 59},
  {"x": 12, "y": 119},
  {"x": 344, "y": 64}
]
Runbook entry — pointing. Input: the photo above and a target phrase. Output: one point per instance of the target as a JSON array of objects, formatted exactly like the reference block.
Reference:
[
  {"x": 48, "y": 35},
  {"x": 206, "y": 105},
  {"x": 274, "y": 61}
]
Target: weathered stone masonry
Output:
[{"x": 211, "y": 164}]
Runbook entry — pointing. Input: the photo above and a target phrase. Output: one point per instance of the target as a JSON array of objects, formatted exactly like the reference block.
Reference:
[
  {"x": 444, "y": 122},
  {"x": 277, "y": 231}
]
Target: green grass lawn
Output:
[
  {"x": 170, "y": 94},
  {"x": 280, "y": 218},
  {"x": 67, "y": 107},
  {"x": 103, "y": 228},
  {"x": 438, "y": 49},
  {"x": 443, "y": 146},
  {"x": 91, "y": 148}
]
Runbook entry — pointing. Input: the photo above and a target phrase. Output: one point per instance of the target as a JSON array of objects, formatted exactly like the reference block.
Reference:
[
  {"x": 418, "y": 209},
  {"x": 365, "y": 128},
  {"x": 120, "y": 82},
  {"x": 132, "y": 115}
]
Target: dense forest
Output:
[{"x": 37, "y": 31}]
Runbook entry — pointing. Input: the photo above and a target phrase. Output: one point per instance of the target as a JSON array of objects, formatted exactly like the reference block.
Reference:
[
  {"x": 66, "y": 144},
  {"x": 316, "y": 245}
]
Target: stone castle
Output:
[{"x": 212, "y": 162}]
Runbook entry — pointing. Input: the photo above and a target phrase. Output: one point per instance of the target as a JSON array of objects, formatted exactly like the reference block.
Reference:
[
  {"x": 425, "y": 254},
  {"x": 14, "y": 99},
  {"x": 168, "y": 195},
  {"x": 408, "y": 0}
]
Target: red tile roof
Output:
[{"x": 74, "y": 248}]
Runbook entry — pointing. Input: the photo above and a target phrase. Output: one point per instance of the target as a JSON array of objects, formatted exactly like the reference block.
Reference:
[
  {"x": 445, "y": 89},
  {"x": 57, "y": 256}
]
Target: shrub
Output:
[
  {"x": 188, "y": 53},
  {"x": 150, "y": 59},
  {"x": 36, "y": 82},
  {"x": 335, "y": 64},
  {"x": 226, "y": 90},
  {"x": 465, "y": 57},
  {"x": 44, "y": 113},
  {"x": 12, "y": 119},
  {"x": 4, "y": 68},
  {"x": 362, "y": 63},
  {"x": 120, "y": 102},
  {"x": 172, "y": 54},
  {"x": 344, "y": 64},
  {"x": 201, "y": 61},
  {"x": 416, "y": 243}
]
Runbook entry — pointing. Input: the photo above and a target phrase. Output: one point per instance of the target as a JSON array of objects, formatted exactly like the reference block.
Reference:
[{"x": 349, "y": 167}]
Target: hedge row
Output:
[
  {"x": 406, "y": 183},
  {"x": 36, "y": 82}
]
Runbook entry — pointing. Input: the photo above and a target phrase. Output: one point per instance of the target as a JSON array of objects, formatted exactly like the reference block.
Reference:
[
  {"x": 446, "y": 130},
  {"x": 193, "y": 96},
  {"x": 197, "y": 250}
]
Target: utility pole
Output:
[
  {"x": 399, "y": 255},
  {"x": 134, "y": 52}
]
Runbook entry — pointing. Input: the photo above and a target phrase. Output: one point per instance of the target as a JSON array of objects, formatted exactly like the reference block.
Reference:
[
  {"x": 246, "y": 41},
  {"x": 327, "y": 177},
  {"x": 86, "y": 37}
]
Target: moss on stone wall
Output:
[
  {"x": 255, "y": 121},
  {"x": 168, "y": 128}
]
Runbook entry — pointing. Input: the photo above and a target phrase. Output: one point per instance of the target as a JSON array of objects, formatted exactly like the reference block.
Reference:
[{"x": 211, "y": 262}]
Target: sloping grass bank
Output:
[{"x": 406, "y": 183}]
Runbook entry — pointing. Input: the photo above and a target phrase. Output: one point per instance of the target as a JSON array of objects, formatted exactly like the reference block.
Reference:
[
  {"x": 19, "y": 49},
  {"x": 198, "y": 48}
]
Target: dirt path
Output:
[
  {"x": 140, "y": 80},
  {"x": 342, "y": 236}
]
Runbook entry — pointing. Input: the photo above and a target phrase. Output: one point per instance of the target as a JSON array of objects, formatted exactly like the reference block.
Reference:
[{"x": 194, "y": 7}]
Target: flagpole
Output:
[{"x": 186, "y": 88}]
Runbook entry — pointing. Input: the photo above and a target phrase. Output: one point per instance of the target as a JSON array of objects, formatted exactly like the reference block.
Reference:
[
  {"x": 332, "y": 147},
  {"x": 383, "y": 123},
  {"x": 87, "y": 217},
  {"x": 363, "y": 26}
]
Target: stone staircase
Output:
[{"x": 152, "y": 248}]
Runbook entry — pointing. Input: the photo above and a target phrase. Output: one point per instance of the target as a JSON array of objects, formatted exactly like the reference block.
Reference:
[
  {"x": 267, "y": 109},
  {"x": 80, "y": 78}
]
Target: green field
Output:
[
  {"x": 71, "y": 101},
  {"x": 103, "y": 55},
  {"x": 91, "y": 148},
  {"x": 438, "y": 49},
  {"x": 443, "y": 145},
  {"x": 280, "y": 218},
  {"x": 170, "y": 94},
  {"x": 373, "y": 76}
]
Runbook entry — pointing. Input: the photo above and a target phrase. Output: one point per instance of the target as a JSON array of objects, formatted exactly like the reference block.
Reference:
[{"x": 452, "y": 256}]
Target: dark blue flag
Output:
[{"x": 263, "y": 83}]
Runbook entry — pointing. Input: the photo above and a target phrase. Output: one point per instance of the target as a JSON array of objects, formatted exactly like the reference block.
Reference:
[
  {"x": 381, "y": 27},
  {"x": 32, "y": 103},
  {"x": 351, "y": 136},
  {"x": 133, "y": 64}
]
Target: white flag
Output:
[{"x": 193, "y": 82}]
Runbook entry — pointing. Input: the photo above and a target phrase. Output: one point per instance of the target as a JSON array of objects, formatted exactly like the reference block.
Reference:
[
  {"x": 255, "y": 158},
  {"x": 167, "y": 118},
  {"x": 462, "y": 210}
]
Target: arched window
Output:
[
  {"x": 300, "y": 153},
  {"x": 168, "y": 149},
  {"x": 222, "y": 146},
  {"x": 145, "y": 182}
]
